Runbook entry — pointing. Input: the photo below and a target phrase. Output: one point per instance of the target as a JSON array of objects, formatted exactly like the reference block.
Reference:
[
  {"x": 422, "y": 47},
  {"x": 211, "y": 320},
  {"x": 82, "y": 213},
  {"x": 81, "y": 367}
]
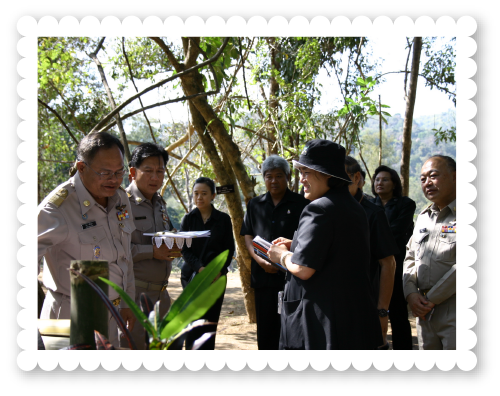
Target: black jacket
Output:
[
  {"x": 399, "y": 212},
  {"x": 221, "y": 239}
]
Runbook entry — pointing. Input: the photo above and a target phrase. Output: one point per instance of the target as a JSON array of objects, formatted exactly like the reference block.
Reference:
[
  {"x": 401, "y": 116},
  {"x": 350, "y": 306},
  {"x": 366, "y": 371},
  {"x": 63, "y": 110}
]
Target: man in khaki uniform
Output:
[
  {"x": 88, "y": 218},
  {"x": 429, "y": 277},
  {"x": 152, "y": 265}
]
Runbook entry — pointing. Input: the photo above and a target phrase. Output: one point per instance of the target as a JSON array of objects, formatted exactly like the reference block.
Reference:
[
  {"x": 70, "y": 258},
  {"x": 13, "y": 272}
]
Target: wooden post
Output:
[{"x": 88, "y": 312}]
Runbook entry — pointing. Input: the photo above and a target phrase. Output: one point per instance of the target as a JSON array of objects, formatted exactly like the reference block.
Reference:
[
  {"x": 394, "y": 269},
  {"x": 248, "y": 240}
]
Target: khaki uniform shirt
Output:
[
  {"x": 431, "y": 254},
  {"x": 149, "y": 217},
  {"x": 73, "y": 226}
]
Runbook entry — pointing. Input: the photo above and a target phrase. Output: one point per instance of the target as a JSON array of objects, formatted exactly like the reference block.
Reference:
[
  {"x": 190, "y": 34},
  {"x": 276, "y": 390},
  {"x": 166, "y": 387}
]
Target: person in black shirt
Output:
[
  {"x": 399, "y": 210},
  {"x": 203, "y": 250},
  {"x": 327, "y": 301},
  {"x": 269, "y": 216},
  {"x": 383, "y": 247}
]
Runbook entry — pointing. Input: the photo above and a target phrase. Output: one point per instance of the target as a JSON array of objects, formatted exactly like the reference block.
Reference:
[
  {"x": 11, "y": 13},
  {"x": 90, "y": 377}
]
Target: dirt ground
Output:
[{"x": 234, "y": 331}]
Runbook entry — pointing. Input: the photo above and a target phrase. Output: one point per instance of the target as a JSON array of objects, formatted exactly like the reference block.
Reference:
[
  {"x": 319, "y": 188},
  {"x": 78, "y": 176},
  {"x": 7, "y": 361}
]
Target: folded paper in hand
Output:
[
  {"x": 260, "y": 247},
  {"x": 179, "y": 237}
]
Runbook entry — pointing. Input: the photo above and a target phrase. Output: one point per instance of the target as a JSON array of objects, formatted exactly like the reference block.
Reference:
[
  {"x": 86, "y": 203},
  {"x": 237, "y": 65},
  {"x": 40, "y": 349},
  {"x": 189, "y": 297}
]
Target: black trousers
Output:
[
  {"x": 268, "y": 319},
  {"x": 398, "y": 314},
  {"x": 212, "y": 315}
]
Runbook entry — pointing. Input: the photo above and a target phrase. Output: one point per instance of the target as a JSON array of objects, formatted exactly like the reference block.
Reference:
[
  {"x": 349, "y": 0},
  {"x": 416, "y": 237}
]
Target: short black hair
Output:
[
  {"x": 363, "y": 173},
  {"x": 206, "y": 180},
  {"x": 93, "y": 142},
  {"x": 398, "y": 188},
  {"x": 352, "y": 166},
  {"x": 450, "y": 162},
  {"x": 146, "y": 150}
]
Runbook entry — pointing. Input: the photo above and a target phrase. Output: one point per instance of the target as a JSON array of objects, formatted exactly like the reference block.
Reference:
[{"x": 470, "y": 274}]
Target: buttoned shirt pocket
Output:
[
  {"x": 94, "y": 244},
  {"x": 420, "y": 244},
  {"x": 447, "y": 248},
  {"x": 143, "y": 226}
]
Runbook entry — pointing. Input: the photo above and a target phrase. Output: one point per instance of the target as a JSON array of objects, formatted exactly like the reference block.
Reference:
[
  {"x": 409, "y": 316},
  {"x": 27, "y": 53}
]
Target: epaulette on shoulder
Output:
[
  {"x": 426, "y": 207},
  {"x": 58, "y": 197}
]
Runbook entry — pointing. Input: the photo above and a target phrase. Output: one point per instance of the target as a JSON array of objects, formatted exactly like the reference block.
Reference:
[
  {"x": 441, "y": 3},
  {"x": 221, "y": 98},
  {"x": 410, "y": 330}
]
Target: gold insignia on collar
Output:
[
  {"x": 86, "y": 203},
  {"x": 129, "y": 195},
  {"x": 138, "y": 200}
]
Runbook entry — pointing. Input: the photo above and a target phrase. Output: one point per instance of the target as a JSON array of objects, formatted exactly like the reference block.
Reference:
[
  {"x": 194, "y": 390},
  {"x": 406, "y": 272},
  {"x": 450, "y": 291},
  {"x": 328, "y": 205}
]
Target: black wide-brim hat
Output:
[{"x": 324, "y": 156}]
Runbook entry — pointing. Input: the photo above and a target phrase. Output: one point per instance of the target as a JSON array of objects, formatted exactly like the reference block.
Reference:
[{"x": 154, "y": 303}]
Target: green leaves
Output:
[
  {"x": 199, "y": 283},
  {"x": 141, "y": 318}
]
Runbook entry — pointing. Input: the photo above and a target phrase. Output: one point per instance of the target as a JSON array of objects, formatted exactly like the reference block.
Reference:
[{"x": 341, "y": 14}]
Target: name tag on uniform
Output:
[
  {"x": 88, "y": 225},
  {"x": 140, "y": 218}
]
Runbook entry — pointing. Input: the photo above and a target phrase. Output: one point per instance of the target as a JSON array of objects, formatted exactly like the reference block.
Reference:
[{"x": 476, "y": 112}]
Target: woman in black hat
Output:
[{"x": 327, "y": 302}]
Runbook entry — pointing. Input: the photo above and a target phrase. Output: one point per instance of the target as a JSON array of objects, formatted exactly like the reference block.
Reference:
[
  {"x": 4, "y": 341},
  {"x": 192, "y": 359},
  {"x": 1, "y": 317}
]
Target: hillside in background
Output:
[{"x": 423, "y": 146}]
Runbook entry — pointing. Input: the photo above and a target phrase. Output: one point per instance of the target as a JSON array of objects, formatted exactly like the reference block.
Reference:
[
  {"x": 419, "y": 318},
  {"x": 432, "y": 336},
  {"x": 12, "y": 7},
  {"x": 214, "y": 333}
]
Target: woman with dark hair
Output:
[
  {"x": 327, "y": 302},
  {"x": 203, "y": 250},
  {"x": 399, "y": 210}
]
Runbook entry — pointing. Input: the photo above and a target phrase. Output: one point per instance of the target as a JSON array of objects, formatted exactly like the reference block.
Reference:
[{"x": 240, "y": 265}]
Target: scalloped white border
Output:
[{"x": 30, "y": 29}]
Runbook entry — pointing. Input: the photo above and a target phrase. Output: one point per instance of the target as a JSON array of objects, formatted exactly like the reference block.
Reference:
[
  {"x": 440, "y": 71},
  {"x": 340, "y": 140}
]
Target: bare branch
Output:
[
  {"x": 132, "y": 113},
  {"x": 69, "y": 107},
  {"x": 60, "y": 119},
  {"x": 244, "y": 79},
  {"x": 171, "y": 154},
  {"x": 136, "y": 89},
  {"x": 159, "y": 84},
  {"x": 175, "y": 190},
  {"x": 170, "y": 55},
  {"x": 183, "y": 139},
  {"x": 111, "y": 100}
]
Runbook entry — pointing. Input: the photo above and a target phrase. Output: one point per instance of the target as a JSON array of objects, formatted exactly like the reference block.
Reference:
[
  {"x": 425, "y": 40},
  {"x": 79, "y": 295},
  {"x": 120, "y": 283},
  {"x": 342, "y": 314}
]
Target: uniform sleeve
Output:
[
  {"x": 313, "y": 238},
  {"x": 130, "y": 286},
  {"x": 383, "y": 243},
  {"x": 246, "y": 226},
  {"x": 409, "y": 270},
  {"x": 404, "y": 218},
  {"x": 444, "y": 288},
  {"x": 229, "y": 243},
  {"x": 52, "y": 229},
  {"x": 141, "y": 252},
  {"x": 189, "y": 257}
]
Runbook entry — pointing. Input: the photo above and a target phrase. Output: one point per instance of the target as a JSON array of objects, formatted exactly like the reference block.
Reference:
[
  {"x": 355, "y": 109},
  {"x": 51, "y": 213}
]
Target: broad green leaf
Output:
[
  {"x": 360, "y": 81},
  {"x": 196, "y": 287},
  {"x": 196, "y": 309},
  {"x": 141, "y": 318}
]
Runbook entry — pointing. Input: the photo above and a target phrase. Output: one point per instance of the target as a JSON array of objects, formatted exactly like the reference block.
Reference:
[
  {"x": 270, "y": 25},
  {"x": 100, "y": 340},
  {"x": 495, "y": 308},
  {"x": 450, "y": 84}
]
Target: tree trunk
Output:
[
  {"x": 202, "y": 114},
  {"x": 408, "y": 121},
  {"x": 88, "y": 312},
  {"x": 235, "y": 208}
]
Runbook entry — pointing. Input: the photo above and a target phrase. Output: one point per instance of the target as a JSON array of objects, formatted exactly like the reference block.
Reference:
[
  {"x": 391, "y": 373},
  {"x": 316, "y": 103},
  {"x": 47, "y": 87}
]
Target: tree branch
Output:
[
  {"x": 171, "y": 154},
  {"x": 175, "y": 190},
  {"x": 136, "y": 89},
  {"x": 160, "y": 83},
  {"x": 60, "y": 119},
  {"x": 132, "y": 113},
  {"x": 171, "y": 57},
  {"x": 111, "y": 100},
  {"x": 69, "y": 107}
]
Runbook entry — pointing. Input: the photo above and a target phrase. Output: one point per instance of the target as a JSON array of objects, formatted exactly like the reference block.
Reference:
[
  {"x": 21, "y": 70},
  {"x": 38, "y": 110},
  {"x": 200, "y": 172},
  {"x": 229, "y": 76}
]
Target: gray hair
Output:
[{"x": 275, "y": 162}]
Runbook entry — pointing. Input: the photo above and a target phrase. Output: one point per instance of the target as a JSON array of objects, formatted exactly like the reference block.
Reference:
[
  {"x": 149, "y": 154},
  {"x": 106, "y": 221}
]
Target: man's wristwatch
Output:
[
  {"x": 284, "y": 255},
  {"x": 382, "y": 312}
]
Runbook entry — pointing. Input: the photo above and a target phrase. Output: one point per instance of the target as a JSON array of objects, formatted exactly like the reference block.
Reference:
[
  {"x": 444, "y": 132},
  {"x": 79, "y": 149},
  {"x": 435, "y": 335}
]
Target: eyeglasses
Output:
[{"x": 109, "y": 175}]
